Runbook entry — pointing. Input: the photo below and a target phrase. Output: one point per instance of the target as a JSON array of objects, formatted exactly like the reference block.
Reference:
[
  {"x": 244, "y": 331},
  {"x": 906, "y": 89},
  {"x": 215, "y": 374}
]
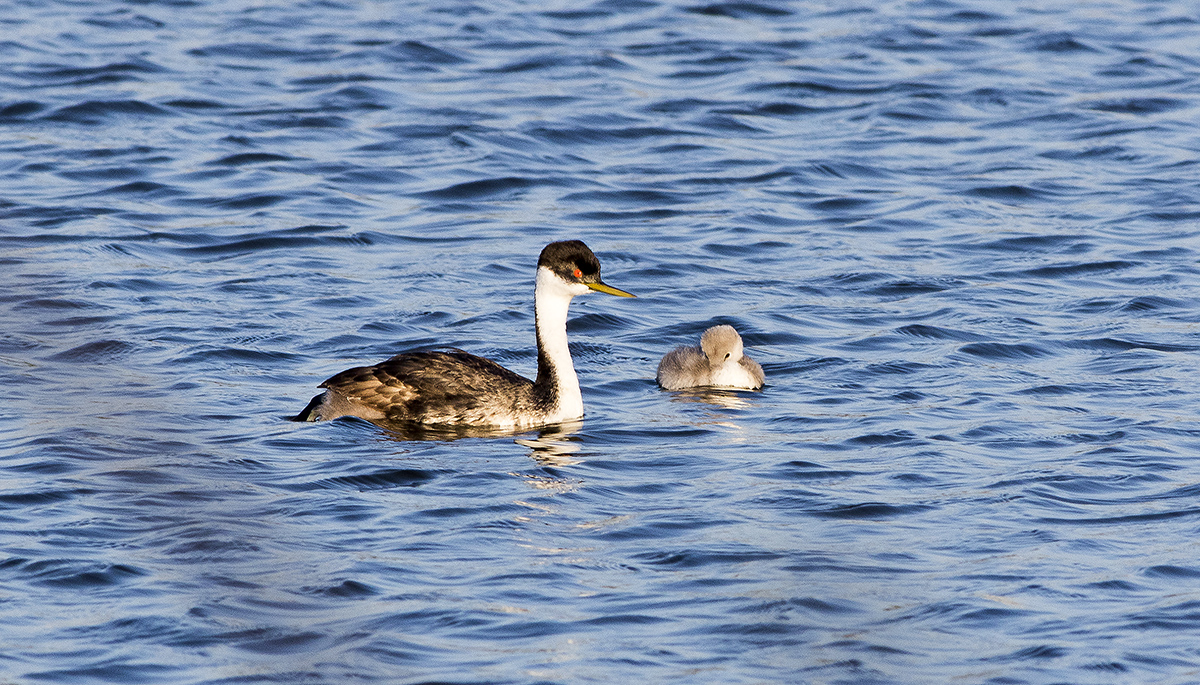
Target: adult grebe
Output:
[
  {"x": 457, "y": 388},
  {"x": 718, "y": 362}
]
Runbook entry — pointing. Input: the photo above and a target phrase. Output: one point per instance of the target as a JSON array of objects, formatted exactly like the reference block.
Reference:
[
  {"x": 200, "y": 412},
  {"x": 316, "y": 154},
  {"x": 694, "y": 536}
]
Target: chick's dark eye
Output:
[{"x": 727, "y": 355}]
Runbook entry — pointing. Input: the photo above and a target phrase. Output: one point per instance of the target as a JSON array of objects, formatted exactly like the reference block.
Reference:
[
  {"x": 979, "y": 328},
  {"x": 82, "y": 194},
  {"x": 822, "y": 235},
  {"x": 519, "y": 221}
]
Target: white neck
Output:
[{"x": 552, "y": 297}]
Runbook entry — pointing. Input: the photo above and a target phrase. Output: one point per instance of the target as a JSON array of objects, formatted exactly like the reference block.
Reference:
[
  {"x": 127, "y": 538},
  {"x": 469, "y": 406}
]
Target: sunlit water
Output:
[{"x": 963, "y": 239}]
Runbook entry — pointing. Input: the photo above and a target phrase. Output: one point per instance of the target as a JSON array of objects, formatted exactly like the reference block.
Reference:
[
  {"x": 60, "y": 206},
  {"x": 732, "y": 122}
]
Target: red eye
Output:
[{"x": 578, "y": 273}]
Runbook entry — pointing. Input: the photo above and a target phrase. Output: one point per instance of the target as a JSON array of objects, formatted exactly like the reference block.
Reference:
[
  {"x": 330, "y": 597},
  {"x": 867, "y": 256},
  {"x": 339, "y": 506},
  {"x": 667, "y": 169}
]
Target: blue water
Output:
[{"x": 963, "y": 239}]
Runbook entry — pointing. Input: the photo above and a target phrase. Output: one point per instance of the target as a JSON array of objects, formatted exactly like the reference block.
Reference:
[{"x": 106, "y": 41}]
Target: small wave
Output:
[
  {"x": 802, "y": 366},
  {"x": 897, "y": 368},
  {"x": 744, "y": 249},
  {"x": 256, "y": 51},
  {"x": 334, "y": 79},
  {"x": 356, "y": 98},
  {"x": 1035, "y": 652},
  {"x": 412, "y": 51},
  {"x": 24, "y": 499},
  {"x": 112, "y": 670},
  {"x": 777, "y": 109},
  {"x": 1011, "y": 193},
  {"x": 823, "y": 88},
  {"x": 70, "y": 573},
  {"x": 76, "y": 76},
  {"x": 1108, "y": 667},
  {"x": 1005, "y": 351},
  {"x": 276, "y": 640},
  {"x": 739, "y": 10},
  {"x": 243, "y": 201},
  {"x": 597, "y": 321},
  {"x": 194, "y": 104},
  {"x": 1033, "y": 243},
  {"x": 991, "y": 616},
  {"x": 1114, "y": 344},
  {"x": 1180, "y": 617},
  {"x": 807, "y": 604},
  {"x": 972, "y": 17},
  {"x": 721, "y": 123},
  {"x": 348, "y": 589},
  {"x": 211, "y": 545},
  {"x": 95, "y": 352},
  {"x": 105, "y": 173},
  {"x": 482, "y": 189},
  {"x": 603, "y": 136},
  {"x": 772, "y": 220},
  {"x": 841, "y": 204},
  {"x": 249, "y": 245},
  {"x": 141, "y": 188},
  {"x": 1052, "y": 390},
  {"x": 868, "y": 510},
  {"x": 304, "y": 120},
  {"x": 1151, "y": 303},
  {"x": 101, "y": 111},
  {"x": 20, "y": 110},
  {"x": 907, "y": 288},
  {"x": 683, "y": 105},
  {"x": 625, "y": 620},
  {"x": 758, "y": 338},
  {"x": 628, "y": 198},
  {"x": 1129, "y": 518},
  {"x": 806, "y": 471},
  {"x": 877, "y": 439},
  {"x": 1059, "y": 42},
  {"x": 845, "y": 170},
  {"x": 55, "y": 304},
  {"x": 1172, "y": 571},
  {"x": 76, "y": 322},
  {"x": 1087, "y": 268},
  {"x": 554, "y": 61},
  {"x": 697, "y": 558},
  {"x": 628, "y": 216},
  {"x": 1140, "y": 105},
  {"x": 389, "y": 178},
  {"x": 375, "y": 480},
  {"x": 918, "y": 330},
  {"x": 1089, "y": 153},
  {"x": 244, "y": 158},
  {"x": 1171, "y": 216}
]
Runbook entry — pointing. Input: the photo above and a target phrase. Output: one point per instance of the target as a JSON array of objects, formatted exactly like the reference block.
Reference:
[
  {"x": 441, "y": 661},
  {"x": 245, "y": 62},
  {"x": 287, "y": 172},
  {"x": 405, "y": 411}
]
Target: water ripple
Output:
[{"x": 960, "y": 238}]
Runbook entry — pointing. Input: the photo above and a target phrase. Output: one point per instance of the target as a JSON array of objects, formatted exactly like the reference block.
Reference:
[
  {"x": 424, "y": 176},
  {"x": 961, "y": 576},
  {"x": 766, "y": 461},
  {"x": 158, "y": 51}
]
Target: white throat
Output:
[
  {"x": 730, "y": 374},
  {"x": 552, "y": 298}
]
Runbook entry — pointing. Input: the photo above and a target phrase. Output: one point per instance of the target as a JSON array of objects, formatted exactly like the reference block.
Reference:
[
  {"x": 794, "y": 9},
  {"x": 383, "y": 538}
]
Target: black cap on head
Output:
[
  {"x": 572, "y": 261},
  {"x": 565, "y": 256}
]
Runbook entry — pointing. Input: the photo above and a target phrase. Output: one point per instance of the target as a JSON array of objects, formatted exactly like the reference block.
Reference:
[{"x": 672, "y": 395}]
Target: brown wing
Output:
[{"x": 430, "y": 387}]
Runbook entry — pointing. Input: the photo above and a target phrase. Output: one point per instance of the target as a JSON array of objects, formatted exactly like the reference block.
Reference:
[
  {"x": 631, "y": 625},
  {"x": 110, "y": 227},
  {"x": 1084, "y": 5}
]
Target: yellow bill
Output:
[{"x": 605, "y": 288}]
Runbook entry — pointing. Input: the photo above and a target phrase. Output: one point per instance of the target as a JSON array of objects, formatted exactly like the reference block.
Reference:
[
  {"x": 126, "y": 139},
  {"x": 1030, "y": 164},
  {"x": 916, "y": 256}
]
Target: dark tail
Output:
[{"x": 310, "y": 412}]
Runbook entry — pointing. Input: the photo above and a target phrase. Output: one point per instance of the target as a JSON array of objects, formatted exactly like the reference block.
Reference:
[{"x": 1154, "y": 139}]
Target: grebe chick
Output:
[
  {"x": 718, "y": 362},
  {"x": 457, "y": 388}
]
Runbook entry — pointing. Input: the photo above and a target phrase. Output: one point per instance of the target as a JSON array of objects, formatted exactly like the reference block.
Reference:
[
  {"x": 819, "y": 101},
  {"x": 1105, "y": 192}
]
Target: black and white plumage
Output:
[
  {"x": 457, "y": 388},
  {"x": 718, "y": 362}
]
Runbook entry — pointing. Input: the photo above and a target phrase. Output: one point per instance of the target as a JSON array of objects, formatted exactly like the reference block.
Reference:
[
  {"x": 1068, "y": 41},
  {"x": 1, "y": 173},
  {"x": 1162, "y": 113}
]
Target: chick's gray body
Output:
[{"x": 718, "y": 362}]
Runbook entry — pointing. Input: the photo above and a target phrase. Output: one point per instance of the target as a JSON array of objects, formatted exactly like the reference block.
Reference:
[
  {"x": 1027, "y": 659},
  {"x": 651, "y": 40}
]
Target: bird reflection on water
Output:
[{"x": 550, "y": 446}]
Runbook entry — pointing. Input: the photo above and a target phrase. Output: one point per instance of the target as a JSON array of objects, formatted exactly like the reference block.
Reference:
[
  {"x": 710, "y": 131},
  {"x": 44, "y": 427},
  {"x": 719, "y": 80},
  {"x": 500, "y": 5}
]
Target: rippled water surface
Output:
[{"x": 963, "y": 239}]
